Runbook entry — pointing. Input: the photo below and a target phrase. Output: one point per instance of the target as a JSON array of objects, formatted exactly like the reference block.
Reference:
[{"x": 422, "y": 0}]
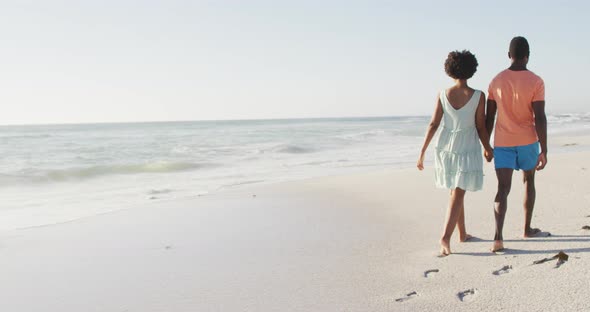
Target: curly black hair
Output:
[{"x": 461, "y": 64}]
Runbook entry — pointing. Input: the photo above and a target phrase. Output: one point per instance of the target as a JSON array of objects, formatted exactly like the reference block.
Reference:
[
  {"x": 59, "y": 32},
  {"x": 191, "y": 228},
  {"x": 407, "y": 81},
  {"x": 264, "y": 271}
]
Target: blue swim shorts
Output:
[{"x": 523, "y": 157}]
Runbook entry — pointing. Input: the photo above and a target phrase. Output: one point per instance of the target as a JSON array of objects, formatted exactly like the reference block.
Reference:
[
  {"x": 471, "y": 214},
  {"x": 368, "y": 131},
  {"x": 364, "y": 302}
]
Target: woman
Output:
[{"x": 458, "y": 160}]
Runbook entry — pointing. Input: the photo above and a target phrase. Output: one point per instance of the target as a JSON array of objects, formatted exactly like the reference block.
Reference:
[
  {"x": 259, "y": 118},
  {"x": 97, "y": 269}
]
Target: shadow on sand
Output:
[{"x": 585, "y": 239}]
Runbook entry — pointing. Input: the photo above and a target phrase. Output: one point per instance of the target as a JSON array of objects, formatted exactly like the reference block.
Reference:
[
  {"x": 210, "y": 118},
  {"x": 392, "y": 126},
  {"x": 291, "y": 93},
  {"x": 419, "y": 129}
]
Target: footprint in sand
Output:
[
  {"x": 407, "y": 297},
  {"x": 467, "y": 295},
  {"x": 559, "y": 263},
  {"x": 505, "y": 269},
  {"x": 428, "y": 273}
]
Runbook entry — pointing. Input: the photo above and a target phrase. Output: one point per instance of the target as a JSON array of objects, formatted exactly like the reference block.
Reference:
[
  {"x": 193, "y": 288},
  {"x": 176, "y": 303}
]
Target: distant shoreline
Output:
[
  {"x": 217, "y": 120},
  {"x": 282, "y": 119}
]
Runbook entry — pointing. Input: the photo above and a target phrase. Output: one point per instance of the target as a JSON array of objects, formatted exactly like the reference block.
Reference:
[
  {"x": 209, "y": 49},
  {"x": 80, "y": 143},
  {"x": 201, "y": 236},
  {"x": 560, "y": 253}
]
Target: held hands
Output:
[
  {"x": 488, "y": 154},
  {"x": 542, "y": 162}
]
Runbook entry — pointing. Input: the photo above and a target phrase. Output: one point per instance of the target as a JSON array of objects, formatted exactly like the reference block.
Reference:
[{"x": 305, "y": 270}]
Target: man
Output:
[{"x": 518, "y": 96}]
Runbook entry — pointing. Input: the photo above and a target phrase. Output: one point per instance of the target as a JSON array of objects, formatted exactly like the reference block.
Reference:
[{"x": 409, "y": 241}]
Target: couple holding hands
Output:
[{"x": 517, "y": 96}]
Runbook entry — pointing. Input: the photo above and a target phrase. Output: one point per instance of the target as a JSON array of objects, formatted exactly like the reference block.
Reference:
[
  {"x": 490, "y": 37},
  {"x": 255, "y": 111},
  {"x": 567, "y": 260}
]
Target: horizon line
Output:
[
  {"x": 201, "y": 120},
  {"x": 236, "y": 120}
]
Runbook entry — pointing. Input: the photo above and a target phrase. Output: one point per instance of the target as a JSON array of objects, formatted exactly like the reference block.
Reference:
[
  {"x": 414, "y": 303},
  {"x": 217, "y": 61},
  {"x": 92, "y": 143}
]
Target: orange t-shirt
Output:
[{"x": 514, "y": 92}]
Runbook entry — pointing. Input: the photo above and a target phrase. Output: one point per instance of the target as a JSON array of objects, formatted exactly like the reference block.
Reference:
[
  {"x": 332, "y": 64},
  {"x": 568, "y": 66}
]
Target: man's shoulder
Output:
[
  {"x": 501, "y": 75},
  {"x": 535, "y": 76},
  {"x": 508, "y": 74}
]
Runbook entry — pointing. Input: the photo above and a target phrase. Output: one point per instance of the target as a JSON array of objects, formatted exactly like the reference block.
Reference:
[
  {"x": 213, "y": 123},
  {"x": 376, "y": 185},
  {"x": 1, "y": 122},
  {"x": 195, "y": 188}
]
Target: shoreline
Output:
[
  {"x": 37, "y": 192},
  {"x": 354, "y": 242},
  {"x": 559, "y": 145}
]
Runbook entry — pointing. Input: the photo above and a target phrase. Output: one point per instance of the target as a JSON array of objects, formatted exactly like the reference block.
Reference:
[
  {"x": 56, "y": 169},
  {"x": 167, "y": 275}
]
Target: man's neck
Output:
[{"x": 517, "y": 66}]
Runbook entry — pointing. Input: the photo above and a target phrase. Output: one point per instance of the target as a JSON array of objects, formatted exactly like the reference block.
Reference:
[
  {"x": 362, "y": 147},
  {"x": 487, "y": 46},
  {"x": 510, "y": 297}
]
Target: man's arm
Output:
[
  {"x": 491, "y": 115},
  {"x": 541, "y": 127},
  {"x": 480, "y": 125}
]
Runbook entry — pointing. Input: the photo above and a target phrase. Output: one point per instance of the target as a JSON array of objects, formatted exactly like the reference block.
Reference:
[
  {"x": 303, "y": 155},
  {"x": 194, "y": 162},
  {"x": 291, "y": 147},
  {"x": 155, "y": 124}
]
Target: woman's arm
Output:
[
  {"x": 482, "y": 131},
  {"x": 430, "y": 131}
]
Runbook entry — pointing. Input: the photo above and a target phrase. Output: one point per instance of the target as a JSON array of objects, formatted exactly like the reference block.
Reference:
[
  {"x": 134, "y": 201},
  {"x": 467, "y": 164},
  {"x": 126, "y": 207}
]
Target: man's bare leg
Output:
[
  {"x": 455, "y": 203},
  {"x": 504, "y": 176},
  {"x": 529, "y": 202}
]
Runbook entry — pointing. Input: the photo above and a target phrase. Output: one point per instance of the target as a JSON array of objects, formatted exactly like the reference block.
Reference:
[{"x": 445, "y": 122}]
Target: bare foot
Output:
[
  {"x": 498, "y": 246},
  {"x": 465, "y": 238},
  {"x": 445, "y": 248},
  {"x": 531, "y": 232}
]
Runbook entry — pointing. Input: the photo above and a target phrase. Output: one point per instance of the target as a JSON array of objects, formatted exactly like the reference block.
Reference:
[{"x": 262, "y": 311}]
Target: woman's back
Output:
[{"x": 459, "y": 108}]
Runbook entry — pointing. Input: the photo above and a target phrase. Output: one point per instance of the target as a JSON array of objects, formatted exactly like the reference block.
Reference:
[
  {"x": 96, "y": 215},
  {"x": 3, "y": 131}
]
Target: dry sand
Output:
[{"x": 343, "y": 243}]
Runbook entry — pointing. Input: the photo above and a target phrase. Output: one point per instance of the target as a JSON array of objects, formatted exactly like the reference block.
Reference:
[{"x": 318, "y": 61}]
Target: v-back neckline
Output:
[{"x": 458, "y": 109}]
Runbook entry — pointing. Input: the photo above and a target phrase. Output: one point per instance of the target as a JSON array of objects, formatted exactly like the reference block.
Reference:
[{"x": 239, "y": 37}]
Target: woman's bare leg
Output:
[
  {"x": 453, "y": 213},
  {"x": 463, "y": 236}
]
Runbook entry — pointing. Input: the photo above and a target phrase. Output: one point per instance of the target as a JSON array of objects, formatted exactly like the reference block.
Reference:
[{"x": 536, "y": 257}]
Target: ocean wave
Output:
[
  {"x": 568, "y": 118},
  {"x": 285, "y": 149},
  {"x": 361, "y": 136},
  {"x": 84, "y": 173},
  {"x": 315, "y": 163},
  {"x": 239, "y": 183},
  {"x": 96, "y": 171},
  {"x": 159, "y": 191},
  {"x": 294, "y": 149},
  {"x": 25, "y": 136}
]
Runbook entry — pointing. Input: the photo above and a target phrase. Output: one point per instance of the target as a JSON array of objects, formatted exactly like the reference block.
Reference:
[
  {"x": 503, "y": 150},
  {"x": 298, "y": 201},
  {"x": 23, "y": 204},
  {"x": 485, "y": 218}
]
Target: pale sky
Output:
[{"x": 108, "y": 61}]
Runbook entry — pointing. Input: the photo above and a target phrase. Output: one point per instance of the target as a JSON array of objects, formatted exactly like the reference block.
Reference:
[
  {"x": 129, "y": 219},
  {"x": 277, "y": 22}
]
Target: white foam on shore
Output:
[{"x": 96, "y": 169}]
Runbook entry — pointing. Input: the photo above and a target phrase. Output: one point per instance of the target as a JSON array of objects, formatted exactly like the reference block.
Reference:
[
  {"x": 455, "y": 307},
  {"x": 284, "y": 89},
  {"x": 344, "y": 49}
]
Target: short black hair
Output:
[
  {"x": 461, "y": 64},
  {"x": 519, "y": 48}
]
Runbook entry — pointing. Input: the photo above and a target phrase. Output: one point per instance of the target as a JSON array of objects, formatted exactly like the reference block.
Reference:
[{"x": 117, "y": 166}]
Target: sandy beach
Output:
[
  {"x": 339, "y": 243},
  {"x": 261, "y": 156}
]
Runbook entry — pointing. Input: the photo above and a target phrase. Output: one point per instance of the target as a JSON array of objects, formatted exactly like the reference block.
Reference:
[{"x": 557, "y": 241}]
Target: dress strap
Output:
[
  {"x": 477, "y": 95},
  {"x": 443, "y": 99}
]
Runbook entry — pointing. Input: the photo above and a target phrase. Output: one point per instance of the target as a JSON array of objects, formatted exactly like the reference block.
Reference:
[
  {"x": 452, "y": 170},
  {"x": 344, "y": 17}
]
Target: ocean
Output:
[{"x": 57, "y": 173}]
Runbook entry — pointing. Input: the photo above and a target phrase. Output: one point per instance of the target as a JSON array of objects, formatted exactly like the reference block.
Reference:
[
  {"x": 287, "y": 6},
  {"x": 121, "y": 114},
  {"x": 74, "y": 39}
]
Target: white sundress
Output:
[{"x": 458, "y": 159}]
